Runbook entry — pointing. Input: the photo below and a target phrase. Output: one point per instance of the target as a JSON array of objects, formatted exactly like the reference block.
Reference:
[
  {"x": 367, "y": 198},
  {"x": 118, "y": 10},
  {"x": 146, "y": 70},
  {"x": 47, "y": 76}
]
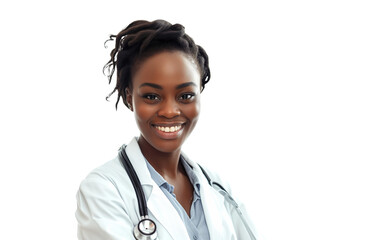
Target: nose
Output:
[{"x": 169, "y": 109}]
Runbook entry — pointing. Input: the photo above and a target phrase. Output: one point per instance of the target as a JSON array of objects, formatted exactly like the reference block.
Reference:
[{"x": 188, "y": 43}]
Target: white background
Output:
[{"x": 294, "y": 116}]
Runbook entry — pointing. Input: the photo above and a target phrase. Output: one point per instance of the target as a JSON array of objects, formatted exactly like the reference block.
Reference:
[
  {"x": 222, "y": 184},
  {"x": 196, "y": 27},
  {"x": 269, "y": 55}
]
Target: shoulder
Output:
[
  {"x": 112, "y": 170},
  {"x": 107, "y": 171},
  {"x": 105, "y": 178},
  {"x": 103, "y": 207}
]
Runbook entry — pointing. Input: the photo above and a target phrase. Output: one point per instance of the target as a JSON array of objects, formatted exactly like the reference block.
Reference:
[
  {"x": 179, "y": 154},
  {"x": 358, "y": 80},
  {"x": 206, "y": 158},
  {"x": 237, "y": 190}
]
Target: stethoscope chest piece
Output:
[{"x": 145, "y": 230}]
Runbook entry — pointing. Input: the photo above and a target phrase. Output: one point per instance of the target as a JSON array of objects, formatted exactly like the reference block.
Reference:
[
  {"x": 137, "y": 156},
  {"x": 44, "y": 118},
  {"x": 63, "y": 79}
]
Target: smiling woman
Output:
[
  {"x": 165, "y": 98},
  {"x": 151, "y": 189}
]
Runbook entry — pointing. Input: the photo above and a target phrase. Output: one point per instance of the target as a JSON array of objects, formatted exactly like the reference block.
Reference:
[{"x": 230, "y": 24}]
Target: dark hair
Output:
[{"x": 142, "y": 39}]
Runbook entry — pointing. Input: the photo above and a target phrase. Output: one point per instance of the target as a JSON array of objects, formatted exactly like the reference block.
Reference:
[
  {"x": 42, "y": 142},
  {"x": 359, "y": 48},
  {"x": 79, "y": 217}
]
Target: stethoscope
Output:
[{"x": 146, "y": 228}]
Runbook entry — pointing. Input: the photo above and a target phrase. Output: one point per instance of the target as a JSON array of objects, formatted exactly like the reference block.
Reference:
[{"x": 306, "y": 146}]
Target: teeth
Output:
[{"x": 169, "y": 129}]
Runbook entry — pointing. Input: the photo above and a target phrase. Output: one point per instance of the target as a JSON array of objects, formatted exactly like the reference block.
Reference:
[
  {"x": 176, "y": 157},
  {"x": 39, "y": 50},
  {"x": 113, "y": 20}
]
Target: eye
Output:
[
  {"x": 187, "y": 96},
  {"x": 151, "y": 97}
]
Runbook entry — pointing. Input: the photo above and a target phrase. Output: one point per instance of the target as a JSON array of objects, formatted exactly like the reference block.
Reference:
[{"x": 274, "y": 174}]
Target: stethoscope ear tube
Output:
[{"x": 142, "y": 205}]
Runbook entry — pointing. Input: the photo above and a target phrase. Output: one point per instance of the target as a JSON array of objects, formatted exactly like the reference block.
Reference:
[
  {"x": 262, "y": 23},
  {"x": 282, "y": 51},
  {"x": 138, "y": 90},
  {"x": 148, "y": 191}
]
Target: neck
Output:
[{"x": 165, "y": 163}]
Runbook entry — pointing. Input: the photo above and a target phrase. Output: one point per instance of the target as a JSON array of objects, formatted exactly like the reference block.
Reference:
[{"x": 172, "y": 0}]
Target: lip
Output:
[
  {"x": 168, "y": 135},
  {"x": 167, "y": 124}
]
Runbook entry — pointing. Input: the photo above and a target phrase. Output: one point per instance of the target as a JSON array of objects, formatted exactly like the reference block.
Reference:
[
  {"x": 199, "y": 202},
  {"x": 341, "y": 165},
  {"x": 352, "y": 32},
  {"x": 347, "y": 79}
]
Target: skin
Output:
[{"x": 166, "y": 92}]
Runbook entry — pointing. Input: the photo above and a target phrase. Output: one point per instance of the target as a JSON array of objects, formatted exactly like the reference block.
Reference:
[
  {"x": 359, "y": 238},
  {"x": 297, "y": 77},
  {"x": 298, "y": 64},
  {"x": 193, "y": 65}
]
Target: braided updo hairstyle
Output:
[{"x": 142, "y": 39}]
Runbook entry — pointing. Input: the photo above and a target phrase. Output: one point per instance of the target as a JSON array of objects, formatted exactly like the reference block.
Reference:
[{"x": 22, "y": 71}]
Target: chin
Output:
[{"x": 167, "y": 146}]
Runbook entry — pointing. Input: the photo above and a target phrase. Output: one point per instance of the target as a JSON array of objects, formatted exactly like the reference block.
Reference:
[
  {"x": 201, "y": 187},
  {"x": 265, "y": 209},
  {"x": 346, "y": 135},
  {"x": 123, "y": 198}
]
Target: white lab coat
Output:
[{"x": 108, "y": 209}]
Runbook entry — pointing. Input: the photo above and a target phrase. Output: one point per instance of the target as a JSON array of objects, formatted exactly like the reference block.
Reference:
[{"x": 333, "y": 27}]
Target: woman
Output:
[{"x": 161, "y": 73}]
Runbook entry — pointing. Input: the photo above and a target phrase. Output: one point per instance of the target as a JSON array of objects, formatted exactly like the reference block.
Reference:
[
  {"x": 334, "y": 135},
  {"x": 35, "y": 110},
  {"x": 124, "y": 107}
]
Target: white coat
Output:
[{"x": 108, "y": 209}]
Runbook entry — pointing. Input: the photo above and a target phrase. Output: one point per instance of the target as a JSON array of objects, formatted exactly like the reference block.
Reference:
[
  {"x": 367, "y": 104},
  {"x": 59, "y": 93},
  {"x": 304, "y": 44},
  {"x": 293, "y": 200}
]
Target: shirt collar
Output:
[
  {"x": 192, "y": 176},
  {"x": 162, "y": 183}
]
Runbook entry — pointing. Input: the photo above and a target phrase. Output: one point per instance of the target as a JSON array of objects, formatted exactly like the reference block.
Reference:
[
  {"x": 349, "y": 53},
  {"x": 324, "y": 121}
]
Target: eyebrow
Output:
[
  {"x": 153, "y": 85},
  {"x": 186, "y": 85}
]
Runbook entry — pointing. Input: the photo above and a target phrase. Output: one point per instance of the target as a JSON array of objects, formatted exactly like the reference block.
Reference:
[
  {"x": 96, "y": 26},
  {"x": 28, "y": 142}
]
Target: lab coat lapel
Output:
[
  {"x": 216, "y": 214},
  {"x": 161, "y": 208},
  {"x": 158, "y": 204}
]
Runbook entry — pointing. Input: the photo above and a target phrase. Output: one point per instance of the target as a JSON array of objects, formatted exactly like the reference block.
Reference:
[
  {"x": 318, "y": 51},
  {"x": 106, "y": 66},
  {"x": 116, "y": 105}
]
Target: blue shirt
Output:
[{"x": 196, "y": 224}]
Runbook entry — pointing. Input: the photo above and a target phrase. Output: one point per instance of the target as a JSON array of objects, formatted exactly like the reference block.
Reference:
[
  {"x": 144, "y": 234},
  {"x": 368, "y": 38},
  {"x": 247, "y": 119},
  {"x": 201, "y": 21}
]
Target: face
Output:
[{"x": 165, "y": 96}]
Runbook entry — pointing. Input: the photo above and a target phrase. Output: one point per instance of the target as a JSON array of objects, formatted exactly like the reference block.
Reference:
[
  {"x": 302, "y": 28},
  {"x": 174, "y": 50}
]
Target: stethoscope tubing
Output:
[{"x": 136, "y": 183}]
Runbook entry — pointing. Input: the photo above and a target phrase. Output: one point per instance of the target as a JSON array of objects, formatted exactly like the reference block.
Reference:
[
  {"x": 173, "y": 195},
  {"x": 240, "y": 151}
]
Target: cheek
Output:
[
  {"x": 143, "y": 112},
  {"x": 193, "y": 112}
]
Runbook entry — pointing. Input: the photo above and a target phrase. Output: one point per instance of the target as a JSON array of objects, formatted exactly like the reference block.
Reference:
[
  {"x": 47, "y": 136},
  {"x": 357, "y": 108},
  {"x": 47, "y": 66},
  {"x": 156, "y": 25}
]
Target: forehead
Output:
[{"x": 167, "y": 68}]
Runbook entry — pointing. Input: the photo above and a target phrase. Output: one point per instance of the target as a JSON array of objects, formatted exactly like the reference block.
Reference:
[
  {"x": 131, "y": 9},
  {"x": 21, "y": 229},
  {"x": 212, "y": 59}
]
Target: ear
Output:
[{"x": 129, "y": 99}]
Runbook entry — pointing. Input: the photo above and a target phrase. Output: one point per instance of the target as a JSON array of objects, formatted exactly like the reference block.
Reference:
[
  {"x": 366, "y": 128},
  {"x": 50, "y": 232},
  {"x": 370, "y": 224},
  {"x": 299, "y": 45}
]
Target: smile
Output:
[{"x": 169, "y": 129}]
